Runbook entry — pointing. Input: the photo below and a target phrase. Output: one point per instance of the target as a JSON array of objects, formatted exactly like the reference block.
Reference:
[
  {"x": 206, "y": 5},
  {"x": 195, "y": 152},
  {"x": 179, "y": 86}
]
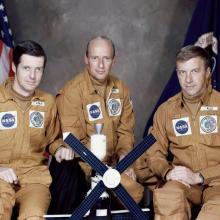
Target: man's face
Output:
[
  {"x": 28, "y": 74},
  {"x": 193, "y": 76},
  {"x": 100, "y": 59}
]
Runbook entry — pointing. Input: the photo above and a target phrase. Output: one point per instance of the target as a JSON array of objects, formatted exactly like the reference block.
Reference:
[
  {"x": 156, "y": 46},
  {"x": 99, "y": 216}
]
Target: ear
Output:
[
  {"x": 86, "y": 59},
  {"x": 208, "y": 72},
  {"x": 114, "y": 60},
  {"x": 13, "y": 67}
]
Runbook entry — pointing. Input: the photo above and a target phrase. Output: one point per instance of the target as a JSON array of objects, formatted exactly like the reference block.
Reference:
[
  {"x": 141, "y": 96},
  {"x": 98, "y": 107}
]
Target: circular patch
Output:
[
  {"x": 8, "y": 120},
  {"x": 36, "y": 119},
  {"x": 181, "y": 127},
  {"x": 208, "y": 124},
  {"x": 94, "y": 111},
  {"x": 114, "y": 106}
]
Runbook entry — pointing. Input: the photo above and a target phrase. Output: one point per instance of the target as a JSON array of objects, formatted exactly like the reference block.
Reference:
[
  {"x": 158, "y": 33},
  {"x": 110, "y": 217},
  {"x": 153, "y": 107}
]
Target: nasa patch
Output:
[
  {"x": 94, "y": 111},
  {"x": 36, "y": 119},
  {"x": 182, "y": 126},
  {"x": 208, "y": 124},
  {"x": 114, "y": 107},
  {"x": 8, "y": 120}
]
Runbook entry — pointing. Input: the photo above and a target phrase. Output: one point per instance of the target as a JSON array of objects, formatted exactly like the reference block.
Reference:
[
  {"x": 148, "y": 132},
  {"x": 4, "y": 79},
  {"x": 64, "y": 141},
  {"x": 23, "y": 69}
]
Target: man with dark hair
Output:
[
  {"x": 28, "y": 124},
  {"x": 95, "y": 96},
  {"x": 187, "y": 125}
]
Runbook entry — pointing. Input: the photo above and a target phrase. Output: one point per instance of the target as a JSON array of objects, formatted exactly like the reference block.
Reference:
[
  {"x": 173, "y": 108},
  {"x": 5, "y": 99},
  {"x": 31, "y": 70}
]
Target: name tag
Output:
[
  {"x": 115, "y": 90},
  {"x": 38, "y": 103},
  {"x": 209, "y": 108}
]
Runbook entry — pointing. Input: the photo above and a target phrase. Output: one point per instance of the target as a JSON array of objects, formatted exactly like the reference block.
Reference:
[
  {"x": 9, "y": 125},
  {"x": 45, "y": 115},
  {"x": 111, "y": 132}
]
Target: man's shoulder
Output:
[
  {"x": 74, "y": 83},
  {"x": 44, "y": 96},
  {"x": 172, "y": 100},
  {"x": 171, "y": 103},
  {"x": 215, "y": 94},
  {"x": 117, "y": 82},
  {"x": 4, "y": 95}
]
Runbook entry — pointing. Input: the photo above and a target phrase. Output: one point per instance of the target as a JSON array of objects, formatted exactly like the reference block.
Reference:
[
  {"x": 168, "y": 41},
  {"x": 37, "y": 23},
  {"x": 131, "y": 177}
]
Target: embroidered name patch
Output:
[
  {"x": 208, "y": 124},
  {"x": 209, "y": 108},
  {"x": 182, "y": 126},
  {"x": 36, "y": 119},
  {"x": 114, "y": 107},
  {"x": 94, "y": 111},
  {"x": 8, "y": 120},
  {"x": 114, "y": 90},
  {"x": 38, "y": 103}
]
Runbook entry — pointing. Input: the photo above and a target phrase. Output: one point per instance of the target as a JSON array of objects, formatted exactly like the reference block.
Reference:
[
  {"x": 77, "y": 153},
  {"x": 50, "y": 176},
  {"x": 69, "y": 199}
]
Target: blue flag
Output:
[{"x": 203, "y": 31}]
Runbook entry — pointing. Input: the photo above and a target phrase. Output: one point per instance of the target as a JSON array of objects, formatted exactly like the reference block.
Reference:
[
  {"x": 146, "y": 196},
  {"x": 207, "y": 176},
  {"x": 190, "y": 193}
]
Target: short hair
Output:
[
  {"x": 103, "y": 38},
  {"x": 191, "y": 51},
  {"x": 30, "y": 48}
]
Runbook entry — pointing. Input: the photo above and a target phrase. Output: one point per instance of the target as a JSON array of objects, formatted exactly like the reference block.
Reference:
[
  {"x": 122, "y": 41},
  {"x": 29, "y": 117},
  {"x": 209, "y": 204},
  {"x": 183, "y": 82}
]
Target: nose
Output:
[
  {"x": 33, "y": 74},
  {"x": 188, "y": 77},
  {"x": 101, "y": 63}
]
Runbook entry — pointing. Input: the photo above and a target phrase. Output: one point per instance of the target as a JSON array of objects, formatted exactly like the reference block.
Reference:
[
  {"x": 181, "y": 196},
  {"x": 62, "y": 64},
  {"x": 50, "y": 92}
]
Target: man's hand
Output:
[
  {"x": 184, "y": 175},
  {"x": 64, "y": 153},
  {"x": 8, "y": 175},
  {"x": 130, "y": 172}
]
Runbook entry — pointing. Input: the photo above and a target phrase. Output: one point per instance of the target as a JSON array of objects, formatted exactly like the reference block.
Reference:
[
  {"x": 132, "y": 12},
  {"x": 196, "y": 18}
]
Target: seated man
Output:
[
  {"x": 95, "y": 96},
  {"x": 28, "y": 123},
  {"x": 187, "y": 125}
]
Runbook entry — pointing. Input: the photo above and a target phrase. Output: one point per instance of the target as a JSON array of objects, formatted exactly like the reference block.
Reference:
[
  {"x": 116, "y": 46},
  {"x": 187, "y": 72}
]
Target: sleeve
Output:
[
  {"x": 70, "y": 111},
  {"x": 125, "y": 130},
  {"x": 143, "y": 172},
  {"x": 158, "y": 152},
  {"x": 210, "y": 173},
  {"x": 53, "y": 131}
]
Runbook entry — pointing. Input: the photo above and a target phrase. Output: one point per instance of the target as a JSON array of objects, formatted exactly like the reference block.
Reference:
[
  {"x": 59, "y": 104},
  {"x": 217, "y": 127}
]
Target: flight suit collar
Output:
[
  {"x": 204, "y": 99},
  {"x": 7, "y": 96},
  {"x": 91, "y": 88}
]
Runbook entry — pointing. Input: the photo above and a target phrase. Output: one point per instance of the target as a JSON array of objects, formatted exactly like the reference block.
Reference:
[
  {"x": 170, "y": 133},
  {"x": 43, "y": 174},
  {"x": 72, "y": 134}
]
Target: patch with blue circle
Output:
[
  {"x": 8, "y": 120},
  {"x": 114, "y": 107},
  {"x": 36, "y": 119},
  {"x": 208, "y": 124},
  {"x": 181, "y": 126},
  {"x": 94, "y": 111}
]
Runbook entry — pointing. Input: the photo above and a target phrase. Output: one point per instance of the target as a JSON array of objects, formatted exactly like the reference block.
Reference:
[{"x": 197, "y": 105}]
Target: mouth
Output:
[
  {"x": 100, "y": 72},
  {"x": 189, "y": 87},
  {"x": 31, "y": 83}
]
